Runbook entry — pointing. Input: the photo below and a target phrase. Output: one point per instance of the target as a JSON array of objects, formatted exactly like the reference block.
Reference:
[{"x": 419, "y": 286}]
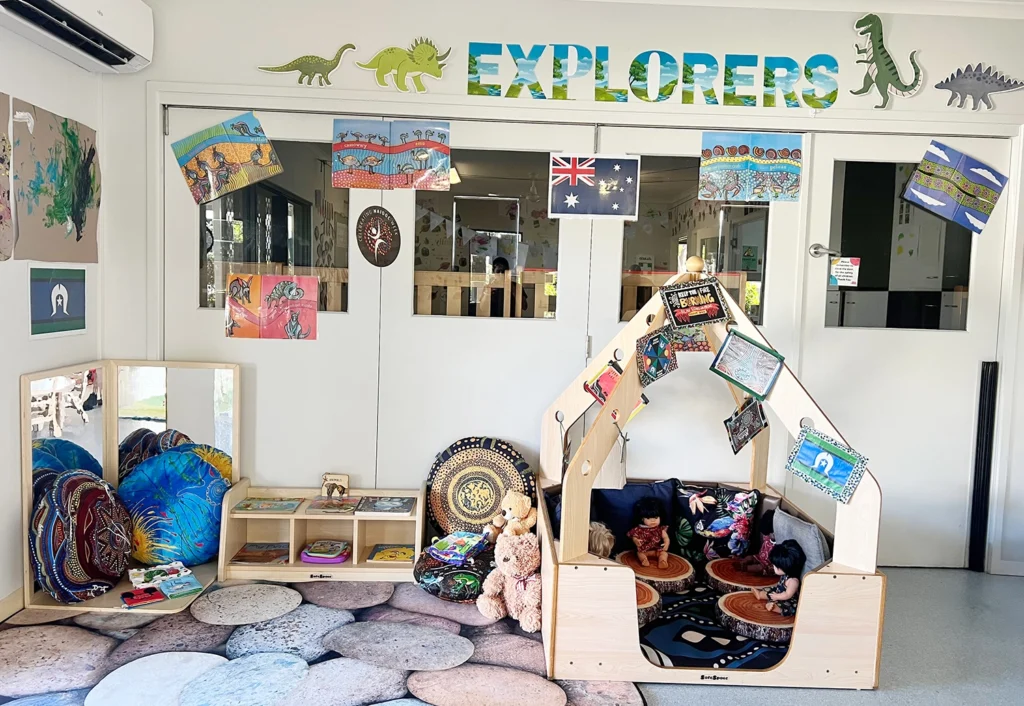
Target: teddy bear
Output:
[
  {"x": 518, "y": 516},
  {"x": 513, "y": 588}
]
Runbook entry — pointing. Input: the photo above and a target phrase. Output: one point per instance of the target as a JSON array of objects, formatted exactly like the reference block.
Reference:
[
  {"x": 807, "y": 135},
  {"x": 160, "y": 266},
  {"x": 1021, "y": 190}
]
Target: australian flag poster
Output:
[
  {"x": 594, "y": 186},
  {"x": 57, "y": 301}
]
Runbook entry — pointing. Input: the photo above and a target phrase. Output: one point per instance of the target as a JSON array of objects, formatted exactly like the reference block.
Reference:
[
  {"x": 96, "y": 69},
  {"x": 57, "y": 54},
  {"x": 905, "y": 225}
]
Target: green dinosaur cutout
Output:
[
  {"x": 882, "y": 73},
  {"x": 420, "y": 59},
  {"x": 310, "y": 67}
]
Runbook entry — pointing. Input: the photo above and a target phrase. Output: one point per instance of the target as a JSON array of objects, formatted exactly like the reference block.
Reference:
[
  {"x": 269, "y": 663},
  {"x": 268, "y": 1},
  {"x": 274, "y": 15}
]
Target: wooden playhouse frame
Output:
[{"x": 589, "y": 603}]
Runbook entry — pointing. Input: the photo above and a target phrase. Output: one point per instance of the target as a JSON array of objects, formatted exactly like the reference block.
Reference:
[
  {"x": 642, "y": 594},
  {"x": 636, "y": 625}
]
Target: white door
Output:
[
  {"x": 895, "y": 361},
  {"x": 748, "y": 246},
  {"x": 465, "y": 349},
  {"x": 309, "y": 406}
]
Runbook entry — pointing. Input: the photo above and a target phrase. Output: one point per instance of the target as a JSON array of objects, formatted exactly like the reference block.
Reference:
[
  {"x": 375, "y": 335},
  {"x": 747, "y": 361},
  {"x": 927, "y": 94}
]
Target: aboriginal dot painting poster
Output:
[
  {"x": 56, "y": 185},
  {"x": 748, "y": 365},
  {"x": 956, "y": 187},
  {"x": 272, "y": 306},
  {"x": 226, "y": 158},
  {"x": 382, "y": 154},
  {"x": 744, "y": 166}
]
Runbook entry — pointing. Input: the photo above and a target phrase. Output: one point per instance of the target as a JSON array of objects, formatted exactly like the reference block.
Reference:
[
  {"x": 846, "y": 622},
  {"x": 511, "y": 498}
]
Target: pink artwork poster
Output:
[{"x": 289, "y": 307}]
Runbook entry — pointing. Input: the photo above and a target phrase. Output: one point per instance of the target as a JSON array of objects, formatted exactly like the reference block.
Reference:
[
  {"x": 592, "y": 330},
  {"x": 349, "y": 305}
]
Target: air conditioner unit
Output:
[{"x": 103, "y": 36}]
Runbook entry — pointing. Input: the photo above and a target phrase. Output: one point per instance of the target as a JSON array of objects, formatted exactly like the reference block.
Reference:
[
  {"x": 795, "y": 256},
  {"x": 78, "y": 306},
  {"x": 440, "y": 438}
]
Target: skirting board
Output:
[{"x": 11, "y": 604}]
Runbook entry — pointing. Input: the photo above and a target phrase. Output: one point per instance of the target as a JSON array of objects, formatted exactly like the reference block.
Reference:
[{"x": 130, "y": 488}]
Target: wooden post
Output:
[
  {"x": 483, "y": 300},
  {"x": 423, "y": 293},
  {"x": 507, "y": 286},
  {"x": 454, "y": 304}
]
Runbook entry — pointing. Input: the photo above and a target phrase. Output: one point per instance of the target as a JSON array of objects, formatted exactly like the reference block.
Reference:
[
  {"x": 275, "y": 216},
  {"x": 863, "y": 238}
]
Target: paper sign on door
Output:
[{"x": 844, "y": 271}]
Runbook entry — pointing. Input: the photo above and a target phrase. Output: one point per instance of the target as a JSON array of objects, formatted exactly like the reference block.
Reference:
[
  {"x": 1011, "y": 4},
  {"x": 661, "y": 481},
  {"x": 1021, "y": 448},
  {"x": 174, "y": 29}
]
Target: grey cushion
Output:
[{"x": 806, "y": 534}]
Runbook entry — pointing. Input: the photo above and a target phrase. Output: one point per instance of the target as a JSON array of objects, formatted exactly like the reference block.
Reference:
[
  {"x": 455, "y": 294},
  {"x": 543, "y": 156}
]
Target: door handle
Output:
[{"x": 819, "y": 250}]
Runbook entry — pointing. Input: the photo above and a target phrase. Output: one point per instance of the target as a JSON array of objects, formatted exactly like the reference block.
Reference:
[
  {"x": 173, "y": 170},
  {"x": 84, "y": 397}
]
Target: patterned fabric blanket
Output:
[{"x": 687, "y": 635}]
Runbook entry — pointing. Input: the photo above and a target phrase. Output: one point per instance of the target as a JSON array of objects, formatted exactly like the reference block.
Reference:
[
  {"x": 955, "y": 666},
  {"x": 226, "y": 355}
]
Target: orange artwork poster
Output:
[{"x": 243, "y": 306}]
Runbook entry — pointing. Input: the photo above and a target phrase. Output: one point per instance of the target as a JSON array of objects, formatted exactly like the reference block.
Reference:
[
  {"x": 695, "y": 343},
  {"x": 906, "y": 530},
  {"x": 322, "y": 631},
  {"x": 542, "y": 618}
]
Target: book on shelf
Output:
[
  {"x": 457, "y": 548},
  {"x": 282, "y": 505},
  {"x": 262, "y": 553},
  {"x": 332, "y": 506},
  {"x": 181, "y": 586},
  {"x": 326, "y": 551},
  {"x": 383, "y": 506},
  {"x": 391, "y": 553},
  {"x": 142, "y": 596},
  {"x": 154, "y": 575}
]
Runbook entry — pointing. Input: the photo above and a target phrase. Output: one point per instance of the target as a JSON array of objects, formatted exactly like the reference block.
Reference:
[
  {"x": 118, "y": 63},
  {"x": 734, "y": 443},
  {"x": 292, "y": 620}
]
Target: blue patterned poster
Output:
[
  {"x": 829, "y": 465},
  {"x": 743, "y": 166},
  {"x": 57, "y": 301}
]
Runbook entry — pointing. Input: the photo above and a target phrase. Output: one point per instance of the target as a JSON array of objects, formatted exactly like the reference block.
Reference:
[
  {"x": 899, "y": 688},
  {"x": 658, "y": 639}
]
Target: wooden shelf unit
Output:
[{"x": 298, "y": 529}]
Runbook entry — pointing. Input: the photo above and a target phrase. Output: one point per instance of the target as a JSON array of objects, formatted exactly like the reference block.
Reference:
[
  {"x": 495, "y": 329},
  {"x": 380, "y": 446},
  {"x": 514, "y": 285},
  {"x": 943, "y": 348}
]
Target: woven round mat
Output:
[{"x": 469, "y": 479}]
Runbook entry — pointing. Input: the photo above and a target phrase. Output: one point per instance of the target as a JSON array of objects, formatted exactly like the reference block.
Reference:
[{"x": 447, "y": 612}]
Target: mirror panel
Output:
[{"x": 68, "y": 405}]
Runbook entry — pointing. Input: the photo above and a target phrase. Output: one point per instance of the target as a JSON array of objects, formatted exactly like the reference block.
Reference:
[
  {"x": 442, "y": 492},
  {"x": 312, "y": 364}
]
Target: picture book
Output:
[
  {"x": 181, "y": 586},
  {"x": 153, "y": 575},
  {"x": 457, "y": 548},
  {"x": 386, "y": 553},
  {"x": 332, "y": 506},
  {"x": 262, "y": 553},
  {"x": 282, "y": 505},
  {"x": 376, "y": 506},
  {"x": 326, "y": 548},
  {"x": 142, "y": 596}
]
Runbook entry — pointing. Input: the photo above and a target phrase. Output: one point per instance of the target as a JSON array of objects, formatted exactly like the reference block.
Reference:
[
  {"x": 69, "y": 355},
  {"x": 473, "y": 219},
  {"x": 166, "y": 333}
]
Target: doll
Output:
[
  {"x": 649, "y": 535},
  {"x": 760, "y": 563},
  {"x": 788, "y": 561}
]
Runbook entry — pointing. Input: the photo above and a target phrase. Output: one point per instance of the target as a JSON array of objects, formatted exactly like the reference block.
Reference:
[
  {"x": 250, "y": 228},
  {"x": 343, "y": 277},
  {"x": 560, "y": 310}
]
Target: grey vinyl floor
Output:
[{"x": 951, "y": 637}]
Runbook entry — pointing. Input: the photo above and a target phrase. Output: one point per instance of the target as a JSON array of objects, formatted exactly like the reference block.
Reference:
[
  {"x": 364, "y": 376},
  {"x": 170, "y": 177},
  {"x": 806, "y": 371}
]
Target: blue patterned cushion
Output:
[
  {"x": 615, "y": 507},
  {"x": 144, "y": 444},
  {"x": 45, "y": 469},
  {"x": 73, "y": 456},
  {"x": 175, "y": 500}
]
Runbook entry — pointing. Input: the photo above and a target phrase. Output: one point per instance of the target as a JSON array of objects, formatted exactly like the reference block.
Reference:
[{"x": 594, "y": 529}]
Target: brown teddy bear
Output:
[
  {"x": 513, "y": 588},
  {"x": 518, "y": 516}
]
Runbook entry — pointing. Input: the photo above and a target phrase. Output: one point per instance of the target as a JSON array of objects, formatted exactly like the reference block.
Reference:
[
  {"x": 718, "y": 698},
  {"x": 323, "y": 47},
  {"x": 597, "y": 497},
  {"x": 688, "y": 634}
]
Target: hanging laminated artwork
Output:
[
  {"x": 881, "y": 72},
  {"x": 745, "y": 423},
  {"x": 826, "y": 463},
  {"x": 654, "y": 356},
  {"x": 955, "y": 187},
  {"x": 310, "y": 66},
  {"x": 57, "y": 301},
  {"x": 694, "y": 303},
  {"x": 272, "y": 306},
  {"x": 226, "y": 157},
  {"x": 56, "y": 184},
  {"x": 594, "y": 186},
  {"x": 743, "y": 166},
  {"x": 748, "y": 365},
  {"x": 378, "y": 236},
  {"x": 6, "y": 214},
  {"x": 406, "y": 66},
  {"x": 382, "y": 154},
  {"x": 688, "y": 339},
  {"x": 603, "y": 384}
]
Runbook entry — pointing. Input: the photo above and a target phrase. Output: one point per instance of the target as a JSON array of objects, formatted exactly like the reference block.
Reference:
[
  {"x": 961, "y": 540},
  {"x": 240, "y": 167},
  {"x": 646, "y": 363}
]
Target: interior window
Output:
[
  {"x": 294, "y": 223},
  {"x": 674, "y": 224},
  {"x": 914, "y": 266},
  {"x": 487, "y": 247}
]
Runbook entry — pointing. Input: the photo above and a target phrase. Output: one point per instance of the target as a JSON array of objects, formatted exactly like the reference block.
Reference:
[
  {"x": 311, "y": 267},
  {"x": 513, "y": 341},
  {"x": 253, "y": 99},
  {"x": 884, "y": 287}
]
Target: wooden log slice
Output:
[
  {"x": 726, "y": 576},
  {"x": 675, "y": 579},
  {"x": 648, "y": 603},
  {"x": 742, "y": 613}
]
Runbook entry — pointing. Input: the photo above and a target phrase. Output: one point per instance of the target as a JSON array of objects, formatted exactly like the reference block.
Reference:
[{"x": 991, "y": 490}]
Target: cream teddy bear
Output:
[{"x": 518, "y": 516}]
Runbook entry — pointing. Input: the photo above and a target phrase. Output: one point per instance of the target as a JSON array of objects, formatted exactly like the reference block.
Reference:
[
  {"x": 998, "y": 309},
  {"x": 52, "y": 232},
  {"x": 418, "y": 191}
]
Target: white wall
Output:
[
  {"x": 627, "y": 29},
  {"x": 29, "y": 73}
]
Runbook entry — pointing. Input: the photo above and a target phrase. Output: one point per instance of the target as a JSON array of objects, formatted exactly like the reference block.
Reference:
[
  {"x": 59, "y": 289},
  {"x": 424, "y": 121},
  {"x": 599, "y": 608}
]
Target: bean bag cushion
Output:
[
  {"x": 458, "y": 584},
  {"x": 213, "y": 456},
  {"x": 614, "y": 507},
  {"x": 143, "y": 444},
  {"x": 79, "y": 538},
  {"x": 714, "y": 522},
  {"x": 175, "y": 500},
  {"x": 73, "y": 456},
  {"x": 807, "y": 534},
  {"x": 45, "y": 469}
]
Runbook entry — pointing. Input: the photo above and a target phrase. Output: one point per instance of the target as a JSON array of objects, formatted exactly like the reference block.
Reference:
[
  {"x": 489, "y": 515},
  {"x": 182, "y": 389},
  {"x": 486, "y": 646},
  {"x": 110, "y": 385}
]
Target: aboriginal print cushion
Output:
[
  {"x": 175, "y": 500},
  {"x": 45, "y": 469},
  {"x": 79, "y": 538},
  {"x": 73, "y": 456},
  {"x": 469, "y": 479},
  {"x": 143, "y": 444},
  {"x": 215, "y": 457},
  {"x": 712, "y": 523},
  {"x": 459, "y": 584}
]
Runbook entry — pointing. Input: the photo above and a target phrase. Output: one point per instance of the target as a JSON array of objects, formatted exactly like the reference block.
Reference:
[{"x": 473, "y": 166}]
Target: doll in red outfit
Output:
[{"x": 650, "y": 536}]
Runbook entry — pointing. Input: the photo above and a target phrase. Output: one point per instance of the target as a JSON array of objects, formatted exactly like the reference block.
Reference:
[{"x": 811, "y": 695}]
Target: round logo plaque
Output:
[{"x": 378, "y": 236}]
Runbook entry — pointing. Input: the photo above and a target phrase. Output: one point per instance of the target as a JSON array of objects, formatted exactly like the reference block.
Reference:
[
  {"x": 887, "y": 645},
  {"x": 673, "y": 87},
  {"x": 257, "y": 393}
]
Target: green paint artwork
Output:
[
  {"x": 310, "y": 67},
  {"x": 56, "y": 186},
  {"x": 419, "y": 60}
]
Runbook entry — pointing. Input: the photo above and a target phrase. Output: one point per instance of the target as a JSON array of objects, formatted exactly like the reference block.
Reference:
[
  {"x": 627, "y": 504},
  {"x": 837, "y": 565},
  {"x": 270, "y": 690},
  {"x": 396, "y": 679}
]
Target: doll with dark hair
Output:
[
  {"x": 788, "y": 561},
  {"x": 760, "y": 563},
  {"x": 649, "y": 535}
]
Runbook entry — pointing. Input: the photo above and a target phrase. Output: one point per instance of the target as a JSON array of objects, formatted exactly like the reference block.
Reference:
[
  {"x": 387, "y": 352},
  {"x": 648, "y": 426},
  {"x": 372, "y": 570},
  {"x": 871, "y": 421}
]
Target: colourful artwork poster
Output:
[
  {"x": 955, "y": 187},
  {"x": 826, "y": 463},
  {"x": 745, "y": 423},
  {"x": 57, "y": 301},
  {"x": 748, "y": 365},
  {"x": 56, "y": 184},
  {"x": 272, "y": 306},
  {"x": 374, "y": 154},
  {"x": 741, "y": 166},
  {"x": 694, "y": 303},
  {"x": 226, "y": 158},
  {"x": 6, "y": 215}
]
